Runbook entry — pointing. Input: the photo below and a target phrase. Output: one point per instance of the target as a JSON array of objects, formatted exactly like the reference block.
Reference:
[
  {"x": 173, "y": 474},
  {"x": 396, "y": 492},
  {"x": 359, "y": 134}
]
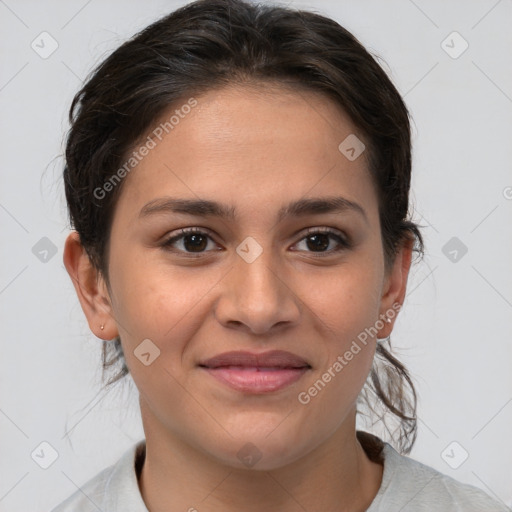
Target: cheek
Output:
[
  {"x": 158, "y": 301},
  {"x": 346, "y": 307},
  {"x": 163, "y": 305},
  {"x": 345, "y": 300},
  {"x": 344, "y": 313}
]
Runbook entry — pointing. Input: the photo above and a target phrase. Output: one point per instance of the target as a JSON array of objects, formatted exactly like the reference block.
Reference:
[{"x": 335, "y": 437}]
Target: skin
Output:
[{"x": 254, "y": 149}]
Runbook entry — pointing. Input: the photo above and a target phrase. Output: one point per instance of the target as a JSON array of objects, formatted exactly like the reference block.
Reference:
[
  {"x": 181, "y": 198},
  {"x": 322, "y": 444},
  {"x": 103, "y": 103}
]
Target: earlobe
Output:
[
  {"x": 395, "y": 287},
  {"x": 90, "y": 288}
]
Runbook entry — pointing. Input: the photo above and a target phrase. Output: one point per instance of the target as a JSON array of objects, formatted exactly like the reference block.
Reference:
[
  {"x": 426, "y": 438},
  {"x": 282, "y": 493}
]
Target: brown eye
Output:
[
  {"x": 319, "y": 240},
  {"x": 195, "y": 243},
  {"x": 188, "y": 241}
]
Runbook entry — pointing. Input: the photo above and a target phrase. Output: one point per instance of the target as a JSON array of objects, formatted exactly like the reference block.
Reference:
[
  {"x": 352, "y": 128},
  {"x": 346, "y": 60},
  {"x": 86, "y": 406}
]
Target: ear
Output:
[
  {"x": 394, "y": 288},
  {"x": 90, "y": 287}
]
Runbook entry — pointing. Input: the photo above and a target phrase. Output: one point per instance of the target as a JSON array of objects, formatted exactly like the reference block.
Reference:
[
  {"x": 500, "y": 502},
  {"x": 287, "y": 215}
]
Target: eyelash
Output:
[{"x": 343, "y": 242}]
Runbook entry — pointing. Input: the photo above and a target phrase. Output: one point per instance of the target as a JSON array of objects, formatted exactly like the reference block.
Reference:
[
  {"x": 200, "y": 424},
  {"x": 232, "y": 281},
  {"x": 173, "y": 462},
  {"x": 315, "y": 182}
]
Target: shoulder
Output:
[
  {"x": 113, "y": 489},
  {"x": 409, "y": 485}
]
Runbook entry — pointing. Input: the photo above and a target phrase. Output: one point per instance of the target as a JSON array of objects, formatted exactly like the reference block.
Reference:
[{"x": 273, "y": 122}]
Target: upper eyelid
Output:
[
  {"x": 200, "y": 230},
  {"x": 324, "y": 229}
]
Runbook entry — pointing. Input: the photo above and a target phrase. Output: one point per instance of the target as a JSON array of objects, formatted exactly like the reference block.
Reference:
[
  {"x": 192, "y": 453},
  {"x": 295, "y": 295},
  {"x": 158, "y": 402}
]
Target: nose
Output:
[{"x": 257, "y": 297}]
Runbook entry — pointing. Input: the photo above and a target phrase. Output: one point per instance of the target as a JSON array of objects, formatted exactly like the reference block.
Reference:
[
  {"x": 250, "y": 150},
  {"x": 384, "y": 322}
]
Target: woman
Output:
[{"x": 208, "y": 157}]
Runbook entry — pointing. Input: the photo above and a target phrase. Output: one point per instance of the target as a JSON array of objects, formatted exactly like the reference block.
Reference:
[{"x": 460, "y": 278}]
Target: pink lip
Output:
[{"x": 257, "y": 373}]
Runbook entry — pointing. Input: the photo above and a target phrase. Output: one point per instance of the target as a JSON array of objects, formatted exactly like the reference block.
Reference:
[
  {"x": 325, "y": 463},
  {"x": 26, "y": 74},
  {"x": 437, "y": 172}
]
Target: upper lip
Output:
[{"x": 271, "y": 359}]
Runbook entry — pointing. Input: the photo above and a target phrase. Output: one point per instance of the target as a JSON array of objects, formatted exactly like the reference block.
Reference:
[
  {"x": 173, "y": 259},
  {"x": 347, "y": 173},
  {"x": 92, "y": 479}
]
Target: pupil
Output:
[
  {"x": 317, "y": 241},
  {"x": 198, "y": 242}
]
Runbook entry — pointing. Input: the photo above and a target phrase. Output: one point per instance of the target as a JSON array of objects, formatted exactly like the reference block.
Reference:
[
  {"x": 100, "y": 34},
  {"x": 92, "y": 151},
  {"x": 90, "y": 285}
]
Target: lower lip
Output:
[{"x": 252, "y": 380}]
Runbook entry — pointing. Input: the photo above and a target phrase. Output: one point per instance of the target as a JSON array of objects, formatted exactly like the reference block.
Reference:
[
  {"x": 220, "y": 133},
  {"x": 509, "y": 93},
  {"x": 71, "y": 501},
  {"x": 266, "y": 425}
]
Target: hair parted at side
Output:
[{"x": 208, "y": 44}]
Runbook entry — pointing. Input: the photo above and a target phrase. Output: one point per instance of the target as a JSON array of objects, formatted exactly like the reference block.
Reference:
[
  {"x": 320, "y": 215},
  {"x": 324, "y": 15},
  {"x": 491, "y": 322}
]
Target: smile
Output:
[{"x": 256, "y": 373}]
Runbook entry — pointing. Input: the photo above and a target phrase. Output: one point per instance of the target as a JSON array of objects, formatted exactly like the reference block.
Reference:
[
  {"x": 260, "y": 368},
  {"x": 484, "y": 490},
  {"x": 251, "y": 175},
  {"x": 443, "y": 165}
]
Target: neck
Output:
[{"x": 337, "y": 475}]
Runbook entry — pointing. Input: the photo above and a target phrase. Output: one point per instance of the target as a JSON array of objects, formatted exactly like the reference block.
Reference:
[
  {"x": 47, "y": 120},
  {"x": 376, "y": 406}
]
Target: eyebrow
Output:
[{"x": 207, "y": 208}]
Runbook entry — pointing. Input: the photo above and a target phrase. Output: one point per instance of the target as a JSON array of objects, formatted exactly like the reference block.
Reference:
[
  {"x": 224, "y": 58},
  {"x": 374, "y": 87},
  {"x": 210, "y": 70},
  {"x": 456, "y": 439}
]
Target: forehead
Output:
[{"x": 251, "y": 147}]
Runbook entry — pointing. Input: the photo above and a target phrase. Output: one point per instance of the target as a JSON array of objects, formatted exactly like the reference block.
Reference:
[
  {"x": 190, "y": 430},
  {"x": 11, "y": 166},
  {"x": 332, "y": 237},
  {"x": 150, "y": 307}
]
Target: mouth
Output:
[{"x": 256, "y": 373}]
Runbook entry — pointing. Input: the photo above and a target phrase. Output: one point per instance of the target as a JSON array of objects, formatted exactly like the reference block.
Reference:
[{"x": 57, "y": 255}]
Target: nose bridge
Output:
[
  {"x": 255, "y": 294},
  {"x": 257, "y": 275}
]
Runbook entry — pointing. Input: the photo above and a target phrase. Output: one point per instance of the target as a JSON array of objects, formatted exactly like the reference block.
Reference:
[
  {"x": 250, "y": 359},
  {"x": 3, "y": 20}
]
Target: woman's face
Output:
[{"x": 253, "y": 281}]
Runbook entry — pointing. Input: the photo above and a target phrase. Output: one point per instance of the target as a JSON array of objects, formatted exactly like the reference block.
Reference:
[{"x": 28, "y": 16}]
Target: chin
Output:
[
  {"x": 262, "y": 447},
  {"x": 259, "y": 457}
]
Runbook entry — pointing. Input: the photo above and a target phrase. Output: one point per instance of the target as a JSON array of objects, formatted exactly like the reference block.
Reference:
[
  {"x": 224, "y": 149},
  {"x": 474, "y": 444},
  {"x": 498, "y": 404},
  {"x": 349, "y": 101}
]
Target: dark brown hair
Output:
[{"x": 208, "y": 44}]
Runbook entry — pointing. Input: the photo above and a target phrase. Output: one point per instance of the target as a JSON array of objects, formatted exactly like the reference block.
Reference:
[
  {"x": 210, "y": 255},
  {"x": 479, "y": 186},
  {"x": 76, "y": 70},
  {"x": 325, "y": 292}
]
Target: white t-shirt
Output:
[{"x": 407, "y": 486}]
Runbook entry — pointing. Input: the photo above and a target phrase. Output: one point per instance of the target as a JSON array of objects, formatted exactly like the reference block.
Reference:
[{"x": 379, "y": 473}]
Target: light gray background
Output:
[{"x": 454, "y": 332}]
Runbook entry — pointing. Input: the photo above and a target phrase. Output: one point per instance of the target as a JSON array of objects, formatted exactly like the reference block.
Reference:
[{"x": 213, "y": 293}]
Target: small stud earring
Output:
[
  {"x": 383, "y": 340},
  {"x": 102, "y": 326}
]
